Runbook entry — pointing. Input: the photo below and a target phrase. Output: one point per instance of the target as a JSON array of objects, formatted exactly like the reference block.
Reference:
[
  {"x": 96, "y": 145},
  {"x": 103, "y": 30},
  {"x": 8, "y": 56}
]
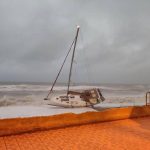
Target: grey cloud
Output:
[{"x": 113, "y": 43}]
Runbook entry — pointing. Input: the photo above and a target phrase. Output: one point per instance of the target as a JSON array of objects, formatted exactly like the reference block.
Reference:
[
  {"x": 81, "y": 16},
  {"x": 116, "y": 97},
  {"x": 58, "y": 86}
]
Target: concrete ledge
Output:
[{"x": 22, "y": 125}]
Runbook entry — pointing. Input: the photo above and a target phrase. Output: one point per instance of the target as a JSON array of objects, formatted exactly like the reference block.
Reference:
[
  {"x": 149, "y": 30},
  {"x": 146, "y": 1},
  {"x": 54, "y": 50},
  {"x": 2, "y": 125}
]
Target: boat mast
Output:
[{"x": 76, "y": 37}]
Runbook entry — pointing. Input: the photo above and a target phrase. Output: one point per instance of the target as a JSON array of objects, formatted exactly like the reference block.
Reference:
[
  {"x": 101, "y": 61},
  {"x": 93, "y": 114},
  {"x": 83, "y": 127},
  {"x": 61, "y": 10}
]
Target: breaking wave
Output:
[{"x": 31, "y": 94}]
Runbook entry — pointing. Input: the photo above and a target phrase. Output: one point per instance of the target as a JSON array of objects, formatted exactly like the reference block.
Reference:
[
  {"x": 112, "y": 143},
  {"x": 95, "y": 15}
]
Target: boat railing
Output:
[{"x": 147, "y": 98}]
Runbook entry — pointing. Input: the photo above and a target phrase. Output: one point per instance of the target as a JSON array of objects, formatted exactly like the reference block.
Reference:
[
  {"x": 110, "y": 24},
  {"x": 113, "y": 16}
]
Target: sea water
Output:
[{"x": 23, "y": 93}]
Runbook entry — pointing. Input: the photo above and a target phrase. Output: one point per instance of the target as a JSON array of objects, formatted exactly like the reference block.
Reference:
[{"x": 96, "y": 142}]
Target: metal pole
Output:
[
  {"x": 72, "y": 59},
  {"x": 148, "y": 93}
]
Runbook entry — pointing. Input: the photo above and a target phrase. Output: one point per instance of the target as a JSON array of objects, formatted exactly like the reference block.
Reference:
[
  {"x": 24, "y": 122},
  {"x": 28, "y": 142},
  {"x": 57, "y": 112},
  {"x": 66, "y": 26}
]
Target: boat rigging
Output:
[{"x": 74, "y": 98}]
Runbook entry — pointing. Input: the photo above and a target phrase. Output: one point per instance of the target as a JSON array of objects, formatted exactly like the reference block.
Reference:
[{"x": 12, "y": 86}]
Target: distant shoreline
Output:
[{"x": 63, "y": 84}]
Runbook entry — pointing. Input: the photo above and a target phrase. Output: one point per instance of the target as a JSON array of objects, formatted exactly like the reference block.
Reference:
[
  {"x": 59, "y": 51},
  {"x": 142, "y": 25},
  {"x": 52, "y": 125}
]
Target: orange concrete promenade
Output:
[
  {"x": 11, "y": 126},
  {"x": 112, "y": 129},
  {"x": 128, "y": 134}
]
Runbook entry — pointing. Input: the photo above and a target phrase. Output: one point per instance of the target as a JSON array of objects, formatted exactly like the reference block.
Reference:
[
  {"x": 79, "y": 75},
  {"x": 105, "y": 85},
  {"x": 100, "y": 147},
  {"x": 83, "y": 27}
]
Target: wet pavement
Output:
[{"x": 128, "y": 134}]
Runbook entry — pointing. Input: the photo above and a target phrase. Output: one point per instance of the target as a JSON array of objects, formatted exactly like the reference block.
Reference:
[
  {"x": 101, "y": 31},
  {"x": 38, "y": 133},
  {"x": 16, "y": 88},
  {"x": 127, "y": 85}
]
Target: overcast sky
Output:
[{"x": 113, "y": 45}]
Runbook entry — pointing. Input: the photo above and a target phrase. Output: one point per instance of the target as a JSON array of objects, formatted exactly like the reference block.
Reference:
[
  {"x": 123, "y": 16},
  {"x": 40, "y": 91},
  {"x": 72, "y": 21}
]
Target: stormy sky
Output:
[{"x": 113, "y": 44}]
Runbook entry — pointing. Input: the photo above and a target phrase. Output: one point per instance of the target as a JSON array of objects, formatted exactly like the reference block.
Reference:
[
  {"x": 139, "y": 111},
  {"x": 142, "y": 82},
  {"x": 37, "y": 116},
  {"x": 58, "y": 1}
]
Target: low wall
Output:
[{"x": 22, "y": 125}]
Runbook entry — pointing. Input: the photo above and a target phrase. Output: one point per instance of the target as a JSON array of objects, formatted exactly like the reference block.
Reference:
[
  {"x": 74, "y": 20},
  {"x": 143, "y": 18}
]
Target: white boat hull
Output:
[
  {"x": 73, "y": 101},
  {"x": 78, "y": 99}
]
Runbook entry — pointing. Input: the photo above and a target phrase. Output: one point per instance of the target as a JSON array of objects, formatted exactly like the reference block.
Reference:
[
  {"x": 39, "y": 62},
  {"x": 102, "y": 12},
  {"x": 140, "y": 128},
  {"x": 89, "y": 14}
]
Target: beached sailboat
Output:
[{"x": 74, "y": 98}]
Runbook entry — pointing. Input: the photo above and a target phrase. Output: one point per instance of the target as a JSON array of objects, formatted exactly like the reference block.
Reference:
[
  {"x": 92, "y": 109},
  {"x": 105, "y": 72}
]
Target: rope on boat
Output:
[{"x": 60, "y": 70}]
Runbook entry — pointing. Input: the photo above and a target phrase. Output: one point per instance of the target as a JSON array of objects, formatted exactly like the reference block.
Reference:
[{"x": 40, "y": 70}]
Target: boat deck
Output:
[{"x": 131, "y": 134}]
